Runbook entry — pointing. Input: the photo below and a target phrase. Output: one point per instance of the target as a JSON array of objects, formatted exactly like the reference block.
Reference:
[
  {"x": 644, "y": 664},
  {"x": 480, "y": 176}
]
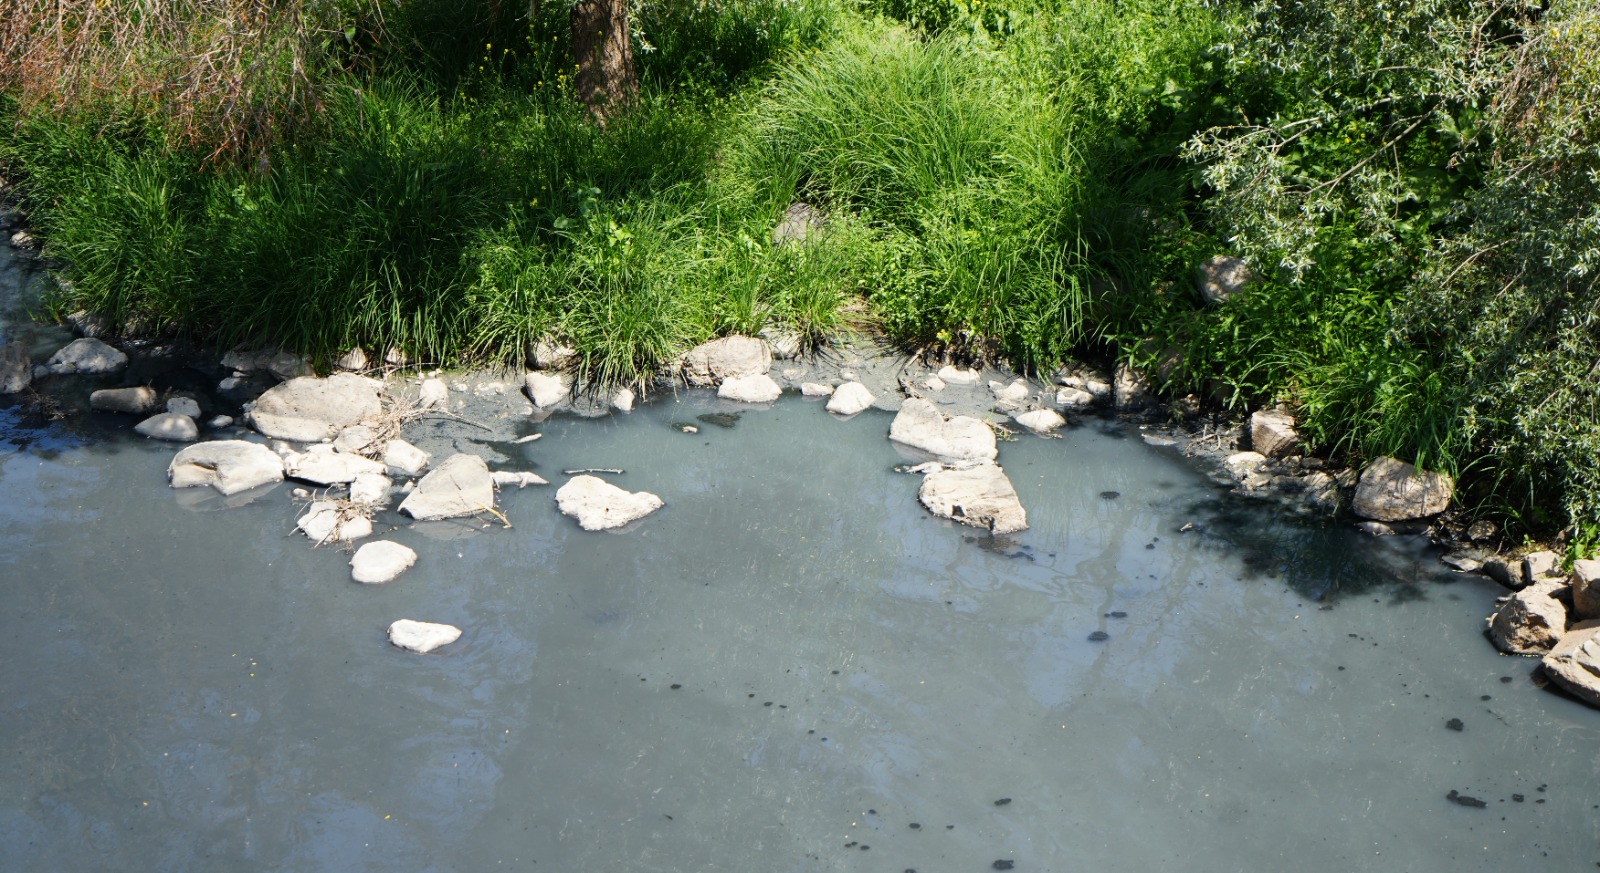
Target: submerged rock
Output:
[
  {"x": 133, "y": 401},
  {"x": 921, "y": 425},
  {"x": 404, "y": 459},
  {"x": 308, "y": 409},
  {"x": 460, "y": 486},
  {"x": 599, "y": 505},
  {"x": 380, "y": 562},
  {"x": 980, "y": 496},
  {"x": 1531, "y": 621},
  {"x": 1392, "y": 490},
  {"x": 547, "y": 391},
  {"x": 86, "y": 355},
  {"x": 326, "y": 521},
  {"x": 730, "y": 357},
  {"x": 422, "y": 637},
  {"x": 229, "y": 466},
  {"x": 815, "y": 389},
  {"x": 169, "y": 426},
  {"x": 16, "y": 368},
  {"x": 1574, "y": 662},
  {"x": 757, "y": 388},
  {"x": 622, "y": 401},
  {"x": 850, "y": 398},
  {"x": 1273, "y": 434},
  {"x": 1040, "y": 420},
  {"x": 322, "y": 465}
]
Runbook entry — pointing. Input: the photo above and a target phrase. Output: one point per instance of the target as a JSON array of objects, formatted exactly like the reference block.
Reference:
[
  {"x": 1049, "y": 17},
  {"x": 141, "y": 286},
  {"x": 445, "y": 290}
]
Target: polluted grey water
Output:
[{"x": 791, "y": 667}]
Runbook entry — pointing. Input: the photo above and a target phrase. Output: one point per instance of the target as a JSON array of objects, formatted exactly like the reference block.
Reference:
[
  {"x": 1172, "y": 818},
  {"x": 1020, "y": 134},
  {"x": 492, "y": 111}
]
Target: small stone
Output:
[
  {"x": 785, "y": 344},
  {"x": 1375, "y": 528},
  {"x": 422, "y": 636},
  {"x": 1099, "y": 636},
  {"x": 86, "y": 355},
  {"x": 1455, "y": 724},
  {"x": 379, "y": 562},
  {"x": 1460, "y": 799},
  {"x": 184, "y": 406},
  {"x": 1482, "y": 530},
  {"x": 1015, "y": 392},
  {"x": 1537, "y": 566},
  {"x": 1461, "y": 562},
  {"x": 355, "y": 439},
  {"x": 1074, "y": 399},
  {"x": 134, "y": 401},
  {"x": 599, "y": 505},
  {"x": 547, "y": 391},
  {"x": 933, "y": 383},
  {"x": 371, "y": 489},
  {"x": 815, "y": 389},
  {"x": 850, "y": 398},
  {"x": 1273, "y": 434},
  {"x": 1041, "y": 420},
  {"x": 622, "y": 401},
  {"x": 396, "y": 357},
  {"x": 169, "y": 426},
  {"x": 730, "y": 357},
  {"x": 955, "y": 376},
  {"x": 404, "y": 459},
  {"x": 548, "y": 353},
  {"x": 433, "y": 393},
  {"x": 353, "y": 361},
  {"x": 461, "y": 486},
  {"x": 1242, "y": 464},
  {"x": 1003, "y": 864},
  {"x": 758, "y": 388},
  {"x": 220, "y": 422}
]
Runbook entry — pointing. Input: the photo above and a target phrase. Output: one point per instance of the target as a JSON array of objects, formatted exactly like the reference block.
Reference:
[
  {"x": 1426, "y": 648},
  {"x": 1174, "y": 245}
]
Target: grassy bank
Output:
[{"x": 1033, "y": 180}]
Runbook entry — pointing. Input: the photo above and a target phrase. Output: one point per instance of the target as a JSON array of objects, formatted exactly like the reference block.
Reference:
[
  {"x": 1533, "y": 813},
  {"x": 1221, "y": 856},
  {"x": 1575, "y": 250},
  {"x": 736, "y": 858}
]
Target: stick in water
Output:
[{"x": 593, "y": 470}]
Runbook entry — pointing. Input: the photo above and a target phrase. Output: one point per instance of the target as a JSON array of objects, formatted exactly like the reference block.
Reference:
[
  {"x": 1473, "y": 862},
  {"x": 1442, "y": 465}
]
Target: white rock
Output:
[
  {"x": 458, "y": 487},
  {"x": 422, "y": 636},
  {"x": 169, "y": 426},
  {"x": 1586, "y": 589},
  {"x": 1016, "y": 392},
  {"x": 850, "y": 398},
  {"x": 396, "y": 357},
  {"x": 1041, "y": 420},
  {"x": 370, "y": 488},
  {"x": 403, "y": 458},
  {"x": 1537, "y": 566},
  {"x": 1531, "y": 621},
  {"x": 758, "y": 388},
  {"x": 230, "y": 466},
  {"x": 980, "y": 496},
  {"x": 815, "y": 389},
  {"x": 321, "y": 465},
  {"x": 309, "y": 409},
  {"x": 1242, "y": 464},
  {"x": 508, "y": 479},
  {"x": 1074, "y": 399},
  {"x": 134, "y": 401},
  {"x": 730, "y": 357},
  {"x": 622, "y": 401},
  {"x": 184, "y": 406},
  {"x": 353, "y": 361},
  {"x": 599, "y": 505},
  {"x": 16, "y": 368},
  {"x": 86, "y": 355},
  {"x": 433, "y": 393},
  {"x": 1391, "y": 490},
  {"x": 1574, "y": 662},
  {"x": 380, "y": 562},
  {"x": 546, "y": 390},
  {"x": 953, "y": 376},
  {"x": 220, "y": 422},
  {"x": 355, "y": 439},
  {"x": 325, "y": 522},
  {"x": 921, "y": 425},
  {"x": 1273, "y": 434}
]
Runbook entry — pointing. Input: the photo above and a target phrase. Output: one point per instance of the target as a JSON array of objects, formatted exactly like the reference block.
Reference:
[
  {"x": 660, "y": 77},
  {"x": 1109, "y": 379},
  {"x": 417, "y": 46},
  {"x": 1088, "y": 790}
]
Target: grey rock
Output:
[
  {"x": 396, "y": 357},
  {"x": 309, "y": 409},
  {"x": 956, "y": 376},
  {"x": 547, "y": 391},
  {"x": 756, "y": 388},
  {"x": 1462, "y": 562},
  {"x": 815, "y": 389},
  {"x": 1574, "y": 662},
  {"x": 1531, "y": 621},
  {"x": 322, "y": 465},
  {"x": 1482, "y": 530},
  {"x": 1074, "y": 399},
  {"x": 422, "y": 637},
  {"x": 1273, "y": 434},
  {"x": 730, "y": 357},
  {"x": 86, "y": 355},
  {"x": 1321, "y": 492},
  {"x": 1015, "y": 392},
  {"x": 220, "y": 422},
  {"x": 460, "y": 486},
  {"x": 380, "y": 562},
  {"x": 404, "y": 459},
  {"x": 1505, "y": 571},
  {"x": 326, "y": 521},
  {"x": 1586, "y": 589},
  {"x": 89, "y": 324},
  {"x": 599, "y": 505},
  {"x": 785, "y": 344},
  {"x": 980, "y": 496},
  {"x": 1128, "y": 389},
  {"x": 1392, "y": 490},
  {"x": 1041, "y": 420},
  {"x": 169, "y": 426},
  {"x": 286, "y": 366},
  {"x": 229, "y": 466},
  {"x": 133, "y": 401},
  {"x": 921, "y": 425},
  {"x": 353, "y": 361},
  {"x": 850, "y": 398},
  {"x": 1537, "y": 566},
  {"x": 16, "y": 369},
  {"x": 1221, "y": 277},
  {"x": 800, "y": 222},
  {"x": 355, "y": 439},
  {"x": 1375, "y": 528},
  {"x": 433, "y": 393},
  {"x": 1242, "y": 464},
  {"x": 184, "y": 406}
]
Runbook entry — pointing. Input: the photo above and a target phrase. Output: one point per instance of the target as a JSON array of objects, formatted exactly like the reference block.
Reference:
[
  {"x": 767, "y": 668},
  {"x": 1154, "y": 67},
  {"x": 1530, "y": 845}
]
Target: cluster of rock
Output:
[{"x": 1552, "y": 615}]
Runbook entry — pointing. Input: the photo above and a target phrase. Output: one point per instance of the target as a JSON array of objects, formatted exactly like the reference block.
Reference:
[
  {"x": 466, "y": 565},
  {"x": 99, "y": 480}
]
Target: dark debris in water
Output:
[
  {"x": 1466, "y": 800},
  {"x": 1117, "y": 614},
  {"x": 1099, "y": 637},
  {"x": 720, "y": 419},
  {"x": 1110, "y": 495},
  {"x": 1003, "y": 864},
  {"x": 1002, "y": 801},
  {"x": 1455, "y": 724}
]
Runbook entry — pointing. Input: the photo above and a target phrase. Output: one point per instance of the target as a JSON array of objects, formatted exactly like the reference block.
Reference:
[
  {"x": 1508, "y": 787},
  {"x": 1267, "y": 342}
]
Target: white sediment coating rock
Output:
[
  {"x": 169, "y": 426},
  {"x": 850, "y": 398},
  {"x": 758, "y": 388},
  {"x": 86, "y": 355},
  {"x": 980, "y": 496},
  {"x": 422, "y": 636},
  {"x": 1040, "y": 420},
  {"x": 370, "y": 488},
  {"x": 730, "y": 357},
  {"x": 324, "y": 521},
  {"x": 433, "y": 393},
  {"x": 380, "y": 562},
  {"x": 815, "y": 389},
  {"x": 229, "y": 466},
  {"x": 547, "y": 390},
  {"x": 599, "y": 505},
  {"x": 522, "y": 479},
  {"x": 921, "y": 425},
  {"x": 460, "y": 486},
  {"x": 322, "y": 465},
  {"x": 308, "y": 409},
  {"x": 403, "y": 458},
  {"x": 955, "y": 376}
]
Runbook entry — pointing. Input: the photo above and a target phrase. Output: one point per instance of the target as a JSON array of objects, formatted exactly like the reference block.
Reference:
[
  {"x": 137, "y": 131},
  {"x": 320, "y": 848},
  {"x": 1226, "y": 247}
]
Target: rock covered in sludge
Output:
[
  {"x": 133, "y": 401},
  {"x": 920, "y": 425},
  {"x": 850, "y": 398},
  {"x": 599, "y": 505},
  {"x": 460, "y": 486},
  {"x": 308, "y": 409},
  {"x": 229, "y": 466},
  {"x": 380, "y": 562},
  {"x": 86, "y": 355},
  {"x": 1531, "y": 621},
  {"x": 433, "y": 393},
  {"x": 371, "y": 489},
  {"x": 980, "y": 496},
  {"x": 422, "y": 637},
  {"x": 169, "y": 426},
  {"x": 757, "y": 388},
  {"x": 1392, "y": 490}
]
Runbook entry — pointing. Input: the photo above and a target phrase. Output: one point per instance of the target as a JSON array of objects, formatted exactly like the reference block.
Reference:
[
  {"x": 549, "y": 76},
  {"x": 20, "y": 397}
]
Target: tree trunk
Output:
[{"x": 603, "y": 49}]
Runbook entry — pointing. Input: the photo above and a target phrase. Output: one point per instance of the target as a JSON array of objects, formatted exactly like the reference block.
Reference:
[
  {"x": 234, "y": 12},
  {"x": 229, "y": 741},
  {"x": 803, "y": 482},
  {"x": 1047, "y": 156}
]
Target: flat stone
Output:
[
  {"x": 460, "y": 486},
  {"x": 355, "y": 439},
  {"x": 169, "y": 426},
  {"x": 371, "y": 489},
  {"x": 404, "y": 459},
  {"x": 599, "y": 505},
  {"x": 921, "y": 425},
  {"x": 86, "y": 355},
  {"x": 1392, "y": 490},
  {"x": 815, "y": 389},
  {"x": 622, "y": 401},
  {"x": 229, "y": 466},
  {"x": 133, "y": 401},
  {"x": 433, "y": 393},
  {"x": 1586, "y": 589},
  {"x": 324, "y": 521},
  {"x": 1074, "y": 399},
  {"x": 1273, "y": 434},
  {"x": 1531, "y": 621},
  {"x": 1462, "y": 562},
  {"x": 955, "y": 376},
  {"x": 353, "y": 361},
  {"x": 380, "y": 562},
  {"x": 16, "y": 368},
  {"x": 1505, "y": 571},
  {"x": 1015, "y": 392},
  {"x": 1574, "y": 662},
  {"x": 1221, "y": 277},
  {"x": 508, "y": 479},
  {"x": 422, "y": 637},
  {"x": 757, "y": 388},
  {"x": 322, "y": 465},
  {"x": 850, "y": 398},
  {"x": 219, "y": 422},
  {"x": 547, "y": 390},
  {"x": 730, "y": 357},
  {"x": 1041, "y": 420},
  {"x": 980, "y": 496},
  {"x": 184, "y": 406},
  {"x": 310, "y": 410}
]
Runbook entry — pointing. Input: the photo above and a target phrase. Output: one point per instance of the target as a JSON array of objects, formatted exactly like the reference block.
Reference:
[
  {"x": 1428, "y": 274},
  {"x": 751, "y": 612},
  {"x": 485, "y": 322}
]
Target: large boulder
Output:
[
  {"x": 981, "y": 496},
  {"x": 599, "y": 505},
  {"x": 133, "y": 401},
  {"x": 1531, "y": 621},
  {"x": 1221, "y": 277},
  {"x": 1574, "y": 663},
  {"x": 324, "y": 466},
  {"x": 1392, "y": 490},
  {"x": 921, "y": 425},
  {"x": 728, "y": 358},
  {"x": 755, "y": 388},
  {"x": 86, "y": 355},
  {"x": 422, "y": 636},
  {"x": 850, "y": 398},
  {"x": 1273, "y": 434},
  {"x": 1586, "y": 589},
  {"x": 380, "y": 562},
  {"x": 458, "y": 487},
  {"x": 169, "y": 426},
  {"x": 16, "y": 368},
  {"x": 308, "y": 409},
  {"x": 230, "y": 466}
]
